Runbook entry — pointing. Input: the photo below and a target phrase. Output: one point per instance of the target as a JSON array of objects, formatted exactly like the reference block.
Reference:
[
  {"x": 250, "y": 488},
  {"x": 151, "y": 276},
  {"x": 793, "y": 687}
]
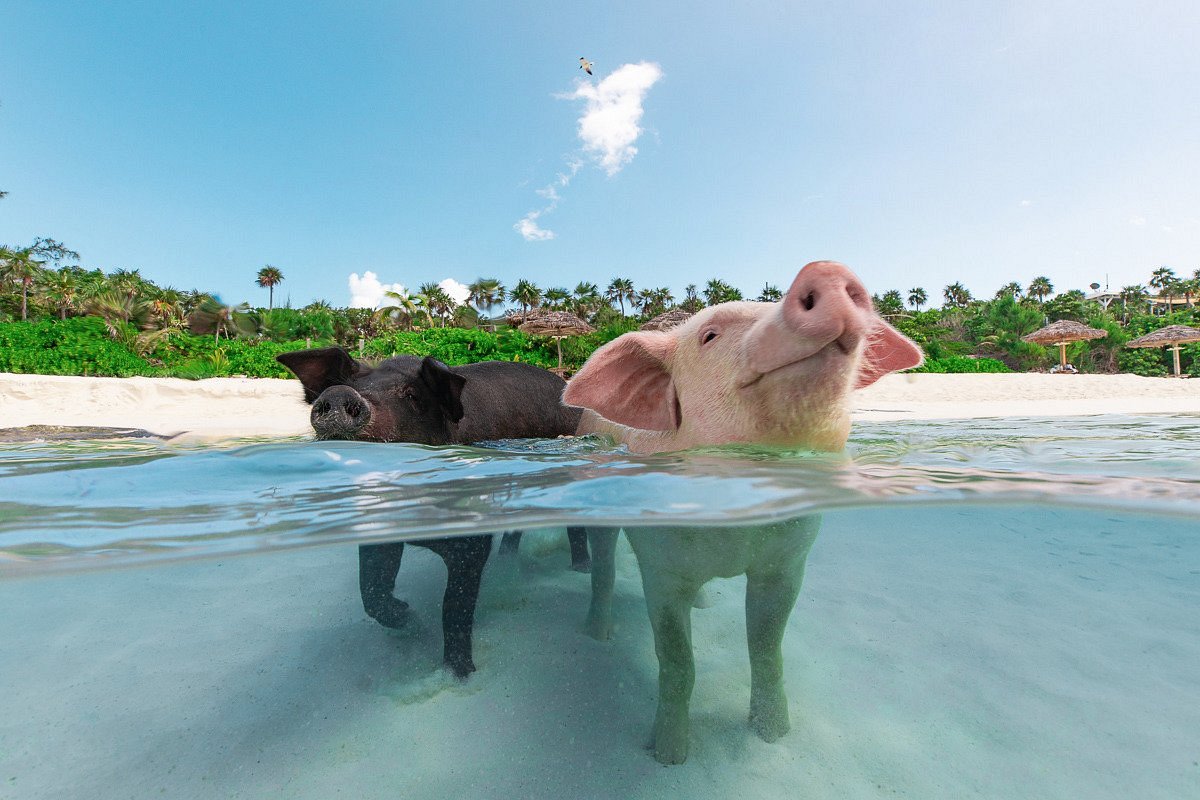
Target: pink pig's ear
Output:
[
  {"x": 888, "y": 350},
  {"x": 627, "y": 381}
]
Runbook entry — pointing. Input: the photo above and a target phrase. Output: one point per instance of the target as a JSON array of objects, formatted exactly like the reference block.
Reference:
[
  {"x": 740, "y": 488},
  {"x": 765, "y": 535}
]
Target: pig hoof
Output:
[
  {"x": 582, "y": 566},
  {"x": 461, "y": 669},
  {"x": 600, "y": 630},
  {"x": 390, "y": 613},
  {"x": 770, "y": 721},
  {"x": 669, "y": 750}
]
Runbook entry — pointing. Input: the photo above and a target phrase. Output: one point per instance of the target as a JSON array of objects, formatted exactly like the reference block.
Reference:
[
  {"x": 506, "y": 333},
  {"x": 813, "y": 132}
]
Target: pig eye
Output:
[{"x": 708, "y": 336}]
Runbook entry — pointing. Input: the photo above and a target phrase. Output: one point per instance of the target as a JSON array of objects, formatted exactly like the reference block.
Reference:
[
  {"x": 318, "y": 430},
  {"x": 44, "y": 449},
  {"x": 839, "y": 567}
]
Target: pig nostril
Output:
[
  {"x": 355, "y": 409},
  {"x": 808, "y": 301},
  {"x": 321, "y": 407}
]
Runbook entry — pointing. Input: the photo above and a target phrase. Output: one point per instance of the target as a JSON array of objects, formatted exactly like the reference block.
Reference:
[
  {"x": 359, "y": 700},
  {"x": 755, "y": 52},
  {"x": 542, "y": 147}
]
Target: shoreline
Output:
[{"x": 217, "y": 408}]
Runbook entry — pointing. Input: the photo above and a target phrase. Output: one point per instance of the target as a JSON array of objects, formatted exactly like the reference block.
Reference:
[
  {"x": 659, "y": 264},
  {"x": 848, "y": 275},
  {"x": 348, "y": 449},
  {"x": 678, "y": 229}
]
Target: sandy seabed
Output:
[{"x": 232, "y": 407}]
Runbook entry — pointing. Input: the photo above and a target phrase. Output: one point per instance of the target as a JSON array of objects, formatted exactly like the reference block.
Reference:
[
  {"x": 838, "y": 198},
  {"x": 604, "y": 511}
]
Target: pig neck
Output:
[{"x": 828, "y": 435}]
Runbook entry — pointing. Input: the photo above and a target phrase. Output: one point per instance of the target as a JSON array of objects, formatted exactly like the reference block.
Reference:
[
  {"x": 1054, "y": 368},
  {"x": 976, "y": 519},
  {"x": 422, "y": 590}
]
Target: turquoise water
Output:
[{"x": 993, "y": 608}]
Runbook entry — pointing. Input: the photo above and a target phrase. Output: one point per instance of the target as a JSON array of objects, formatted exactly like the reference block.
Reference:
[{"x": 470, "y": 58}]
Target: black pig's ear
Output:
[
  {"x": 321, "y": 368},
  {"x": 445, "y": 385}
]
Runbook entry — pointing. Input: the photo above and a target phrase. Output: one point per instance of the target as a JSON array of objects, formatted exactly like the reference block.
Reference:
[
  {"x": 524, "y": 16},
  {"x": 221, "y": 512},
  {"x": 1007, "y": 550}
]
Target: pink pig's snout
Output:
[{"x": 826, "y": 303}]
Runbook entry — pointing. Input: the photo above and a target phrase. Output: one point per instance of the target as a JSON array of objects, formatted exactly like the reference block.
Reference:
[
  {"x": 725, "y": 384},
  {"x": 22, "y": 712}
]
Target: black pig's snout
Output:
[{"x": 340, "y": 413}]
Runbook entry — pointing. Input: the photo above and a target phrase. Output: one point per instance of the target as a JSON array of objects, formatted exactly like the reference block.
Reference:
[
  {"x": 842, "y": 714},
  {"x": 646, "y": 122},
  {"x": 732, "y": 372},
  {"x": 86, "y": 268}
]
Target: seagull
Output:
[{"x": 585, "y": 65}]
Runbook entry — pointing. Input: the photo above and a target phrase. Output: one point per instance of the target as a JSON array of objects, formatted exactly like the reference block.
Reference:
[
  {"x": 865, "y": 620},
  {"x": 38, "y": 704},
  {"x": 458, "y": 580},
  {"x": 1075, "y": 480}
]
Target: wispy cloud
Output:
[
  {"x": 609, "y": 127},
  {"x": 528, "y": 226},
  {"x": 368, "y": 291}
]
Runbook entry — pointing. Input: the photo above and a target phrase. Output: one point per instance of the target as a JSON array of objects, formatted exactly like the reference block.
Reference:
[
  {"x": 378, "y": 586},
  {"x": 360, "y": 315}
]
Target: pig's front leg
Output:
[
  {"x": 603, "y": 544},
  {"x": 772, "y": 586},
  {"x": 378, "y": 565},
  {"x": 669, "y": 601}
]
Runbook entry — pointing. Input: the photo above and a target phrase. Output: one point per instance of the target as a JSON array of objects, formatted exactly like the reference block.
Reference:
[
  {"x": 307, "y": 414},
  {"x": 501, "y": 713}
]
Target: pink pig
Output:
[{"x": 777, "y": 373}]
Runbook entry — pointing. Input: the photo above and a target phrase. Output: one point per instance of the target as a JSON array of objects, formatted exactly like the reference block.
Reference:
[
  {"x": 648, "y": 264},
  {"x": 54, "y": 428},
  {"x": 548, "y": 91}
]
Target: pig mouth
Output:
[{"x": 835, "y": 348}]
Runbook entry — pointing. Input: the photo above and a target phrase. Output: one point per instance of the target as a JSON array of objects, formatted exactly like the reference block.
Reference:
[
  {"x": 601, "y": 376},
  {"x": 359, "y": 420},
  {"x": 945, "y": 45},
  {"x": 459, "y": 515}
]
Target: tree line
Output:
[{"x": 44, "y": 280}]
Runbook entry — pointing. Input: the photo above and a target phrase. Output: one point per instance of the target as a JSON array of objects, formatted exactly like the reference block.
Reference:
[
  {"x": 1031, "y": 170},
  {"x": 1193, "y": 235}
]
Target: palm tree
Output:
[
  {"x": 222, "y": 317},
  {"x": 1163, "y": 279},
  {"x": 718, "y": 291},
  {"x": 403, "y": 309},
  {"x": 436, "y": 300},
  {"x": 957, "y": 295},
  {"x": 485, "y": 294},
  {"x": 691, "y": 299},
  {"x": 1011, "y": 289},
  {"x": 527, "y": 294},
  {"x": 917, "y": 298},
  {"x": 270, "y": 277},
  {"x": 890, "y": 305},
  {"x": 127, "y": 281},
  {"x": 62, "y": 289},
  {"x": 656, "y": 301},
  {"x": 587, "y": 299},
  {"x": 20, "y": 267},
  {"x": 1039, "y": 288},
  {"x": 556, "y": 298},
  {"x": 1133, "y": 299},
  {"x": 620, "y": 290},
  {"x": 770, "y": 294}
]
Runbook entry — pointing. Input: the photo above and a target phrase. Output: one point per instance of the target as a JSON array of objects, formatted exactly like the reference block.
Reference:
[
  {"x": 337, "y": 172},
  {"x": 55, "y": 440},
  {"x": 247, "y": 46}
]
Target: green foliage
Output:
[
  {"x": 962, "y": 364},
  {"x": 78, "y": 346},
  {"x": 455, "y": 346}
]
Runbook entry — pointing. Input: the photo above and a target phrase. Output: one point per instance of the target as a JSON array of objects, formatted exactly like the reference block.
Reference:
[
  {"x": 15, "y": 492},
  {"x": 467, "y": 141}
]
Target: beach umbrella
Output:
[
  {"x": 664, "y": 322},
  {"x": 1172, "y": 335},
  {"x": 556, "y": 324},
  {"x": 1062, "y": 333}
]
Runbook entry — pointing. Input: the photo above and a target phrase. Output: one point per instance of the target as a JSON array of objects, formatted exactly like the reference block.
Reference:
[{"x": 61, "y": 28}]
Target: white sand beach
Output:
[{"x": 238, "y": 407}]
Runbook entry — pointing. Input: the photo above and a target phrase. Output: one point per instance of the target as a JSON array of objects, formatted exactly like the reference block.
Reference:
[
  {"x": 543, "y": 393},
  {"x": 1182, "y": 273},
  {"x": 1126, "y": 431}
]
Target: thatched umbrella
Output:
[
  {"x": 556, "y": 324},
  {"x": 1063, "y": 333},
  {"x": 1173, "y": 335},
  {"x": 664, "y": 322}
]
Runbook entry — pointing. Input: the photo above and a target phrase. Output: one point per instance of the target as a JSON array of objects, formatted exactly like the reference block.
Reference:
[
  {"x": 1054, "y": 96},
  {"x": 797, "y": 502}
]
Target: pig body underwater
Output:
[
  {"x": 778, "y": 373},
  {"x": 410, "y": 399}
]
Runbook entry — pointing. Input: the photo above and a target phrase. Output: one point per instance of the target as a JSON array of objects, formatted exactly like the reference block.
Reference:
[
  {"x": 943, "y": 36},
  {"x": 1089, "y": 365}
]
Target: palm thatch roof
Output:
[
  {"x": 664, "y": 322},
  {"x": 555, "y": 323},
  {"x": 1064, "y": 330},
  {"x": 1172, "y": 334}
]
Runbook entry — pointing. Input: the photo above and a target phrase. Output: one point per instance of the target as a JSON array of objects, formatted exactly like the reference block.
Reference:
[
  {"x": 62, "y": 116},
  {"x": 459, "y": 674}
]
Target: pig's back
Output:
[{"x": 508, "y": 400}]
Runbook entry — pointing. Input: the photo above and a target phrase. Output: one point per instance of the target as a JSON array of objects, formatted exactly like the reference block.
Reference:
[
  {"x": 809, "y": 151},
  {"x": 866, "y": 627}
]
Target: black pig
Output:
[{"x": 421, "y": 400}]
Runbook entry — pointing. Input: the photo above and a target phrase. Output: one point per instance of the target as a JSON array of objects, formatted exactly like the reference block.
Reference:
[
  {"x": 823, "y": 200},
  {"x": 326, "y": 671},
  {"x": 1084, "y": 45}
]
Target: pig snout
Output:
[
  {"x": 340, "y": 413},
  {"x": 825, "y": 305}
]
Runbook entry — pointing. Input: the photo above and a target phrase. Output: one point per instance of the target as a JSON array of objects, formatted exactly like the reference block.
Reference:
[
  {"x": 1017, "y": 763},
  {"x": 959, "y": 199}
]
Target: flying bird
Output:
[{"x": 585, "y": 65}]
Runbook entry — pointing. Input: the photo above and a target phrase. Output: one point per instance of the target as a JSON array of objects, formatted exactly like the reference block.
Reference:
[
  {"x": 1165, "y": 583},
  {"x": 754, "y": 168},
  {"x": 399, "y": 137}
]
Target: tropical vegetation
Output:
[{"x": 59, "y": 317}]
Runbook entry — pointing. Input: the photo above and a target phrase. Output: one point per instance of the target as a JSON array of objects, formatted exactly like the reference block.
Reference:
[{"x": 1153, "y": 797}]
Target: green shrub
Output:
[
  {"x": 77, "y": 346},
  {"x": 962, "y": 364}
]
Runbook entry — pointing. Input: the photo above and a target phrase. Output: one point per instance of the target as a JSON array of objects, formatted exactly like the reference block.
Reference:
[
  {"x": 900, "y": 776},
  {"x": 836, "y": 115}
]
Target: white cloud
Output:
[
  {"x": 1026, "y": 203},
  {"x": 458, "y": 291},
  {"x": 528, "y": 228},
  {"x": 367, "y": 291},
  {"x": 1138, "y": 221},
  {"x": 609, "y": 125}
]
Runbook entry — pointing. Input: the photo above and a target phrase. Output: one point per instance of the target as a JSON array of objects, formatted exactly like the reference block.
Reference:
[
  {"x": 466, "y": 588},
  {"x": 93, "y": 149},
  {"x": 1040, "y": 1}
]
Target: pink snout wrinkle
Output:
[{"x": 825, "y": 304}]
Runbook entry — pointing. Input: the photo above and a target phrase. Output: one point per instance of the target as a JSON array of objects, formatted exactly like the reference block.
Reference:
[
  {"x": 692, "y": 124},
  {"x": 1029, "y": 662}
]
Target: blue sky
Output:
[{"x": 920, "y": 143}]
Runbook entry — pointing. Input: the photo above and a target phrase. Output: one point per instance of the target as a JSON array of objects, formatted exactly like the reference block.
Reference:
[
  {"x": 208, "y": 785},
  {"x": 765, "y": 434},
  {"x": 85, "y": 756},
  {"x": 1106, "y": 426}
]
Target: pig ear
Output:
[
  {"x": 321, "y": 368},
  {"x": 888, "y": 350},
  {"x": 628, "y": 381},
  {"x": 446, "y": 387}
]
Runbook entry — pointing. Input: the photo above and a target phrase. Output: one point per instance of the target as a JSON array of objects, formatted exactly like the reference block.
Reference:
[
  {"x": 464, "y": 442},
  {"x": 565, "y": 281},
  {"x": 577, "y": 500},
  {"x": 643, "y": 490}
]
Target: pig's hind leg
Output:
[
  {"x": 578, "y": 538},
  {"x": 603, "y": 544},
  {"x": 378, "y": 565}
]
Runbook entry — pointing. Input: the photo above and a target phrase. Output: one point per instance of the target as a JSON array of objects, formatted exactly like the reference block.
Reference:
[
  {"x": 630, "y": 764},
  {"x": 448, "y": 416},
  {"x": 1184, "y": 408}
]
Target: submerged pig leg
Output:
[
  {"x": 578, "y": 537},
  {"x": 465, "y": 558},
  {"x": 378, "y": 565},
  {"x": 772, "y": 587},
  {"x": 603, "y": 544},
  {"x": 669, "y": 603}
]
